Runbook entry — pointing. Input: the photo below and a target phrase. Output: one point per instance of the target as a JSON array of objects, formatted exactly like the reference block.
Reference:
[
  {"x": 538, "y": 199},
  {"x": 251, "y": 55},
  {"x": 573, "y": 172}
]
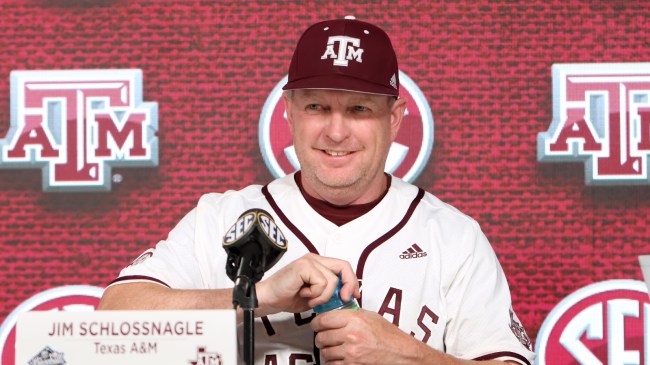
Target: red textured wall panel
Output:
[{"x": 484, "y": 67}]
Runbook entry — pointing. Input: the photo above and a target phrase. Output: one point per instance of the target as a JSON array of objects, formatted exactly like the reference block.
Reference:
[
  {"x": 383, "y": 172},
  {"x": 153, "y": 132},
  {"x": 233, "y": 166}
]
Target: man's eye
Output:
[
  {"x": 360, "y": 108},
  {"x": 313, "y": 107}
]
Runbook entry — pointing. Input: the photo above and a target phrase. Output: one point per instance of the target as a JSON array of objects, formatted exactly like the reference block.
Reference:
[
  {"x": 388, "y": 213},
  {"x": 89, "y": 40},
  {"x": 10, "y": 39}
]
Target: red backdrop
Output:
[{"x": 484, "y": 67}]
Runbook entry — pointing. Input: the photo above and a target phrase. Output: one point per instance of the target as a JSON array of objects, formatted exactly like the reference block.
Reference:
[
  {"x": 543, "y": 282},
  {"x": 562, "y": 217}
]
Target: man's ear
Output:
[
  {"x": 288, "y": 107},
  {"x": 396, "y": 116}
]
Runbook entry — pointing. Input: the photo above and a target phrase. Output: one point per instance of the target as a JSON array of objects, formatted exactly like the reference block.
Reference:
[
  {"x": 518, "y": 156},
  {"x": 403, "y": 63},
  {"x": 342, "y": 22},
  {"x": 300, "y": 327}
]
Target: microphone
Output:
[{"x": 254, "y": 244}]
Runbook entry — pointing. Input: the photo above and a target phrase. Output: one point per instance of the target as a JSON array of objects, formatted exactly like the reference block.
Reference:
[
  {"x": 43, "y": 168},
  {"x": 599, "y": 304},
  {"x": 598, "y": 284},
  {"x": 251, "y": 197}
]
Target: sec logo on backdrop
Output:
[
  {"x": 602, "y": 323},
  {"x": 75, "y": 298},
  {"x": 407, "y": 157}
]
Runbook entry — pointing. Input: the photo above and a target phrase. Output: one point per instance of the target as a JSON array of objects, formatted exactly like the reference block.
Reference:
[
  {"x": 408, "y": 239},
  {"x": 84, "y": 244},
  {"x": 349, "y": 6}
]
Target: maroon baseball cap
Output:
[{"x": 344, "y": 54}]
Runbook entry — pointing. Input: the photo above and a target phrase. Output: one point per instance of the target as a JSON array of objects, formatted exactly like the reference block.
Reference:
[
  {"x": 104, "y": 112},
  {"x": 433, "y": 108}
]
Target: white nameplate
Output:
[{"x": 202, "y": 337}]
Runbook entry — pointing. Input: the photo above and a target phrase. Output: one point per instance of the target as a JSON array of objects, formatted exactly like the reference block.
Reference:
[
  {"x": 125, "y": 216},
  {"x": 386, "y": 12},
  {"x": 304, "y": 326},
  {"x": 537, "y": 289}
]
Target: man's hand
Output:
[
  {"x": 361, "y": 337},
  {"x": 304, "y": 284},
  {"x": 349, "y": 337}
]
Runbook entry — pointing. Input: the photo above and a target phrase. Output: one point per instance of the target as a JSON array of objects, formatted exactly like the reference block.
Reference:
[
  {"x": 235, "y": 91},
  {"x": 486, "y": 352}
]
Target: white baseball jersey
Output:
[{"x": 422, "y": 265}]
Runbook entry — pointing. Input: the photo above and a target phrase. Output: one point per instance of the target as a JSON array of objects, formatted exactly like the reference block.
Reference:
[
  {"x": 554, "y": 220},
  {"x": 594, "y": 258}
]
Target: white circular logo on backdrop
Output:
[
  {"x": 74, "y": 298},
  {"x": 602, "y": 323},
  {"x": 408, "y": 154}
]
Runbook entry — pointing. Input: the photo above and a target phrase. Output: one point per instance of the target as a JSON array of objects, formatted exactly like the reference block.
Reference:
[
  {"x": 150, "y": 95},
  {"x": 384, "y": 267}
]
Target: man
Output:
[{"x": 343, "y": 216}]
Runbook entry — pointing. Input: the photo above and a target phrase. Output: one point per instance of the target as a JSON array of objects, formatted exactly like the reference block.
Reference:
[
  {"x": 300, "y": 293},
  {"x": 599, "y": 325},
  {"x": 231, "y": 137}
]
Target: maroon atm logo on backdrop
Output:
[
  {"x": 76, "y": 125},
  {"x": 407, "y": 156},
  {"x": 602, "y": 323},
  {"x": 601, "y": 116}
]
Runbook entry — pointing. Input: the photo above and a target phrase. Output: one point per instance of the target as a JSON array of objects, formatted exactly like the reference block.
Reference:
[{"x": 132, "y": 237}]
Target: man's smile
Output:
[{"x": 337, "y": 153}]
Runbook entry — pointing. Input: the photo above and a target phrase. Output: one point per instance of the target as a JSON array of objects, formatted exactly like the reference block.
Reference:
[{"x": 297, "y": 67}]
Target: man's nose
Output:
[{"x": 337, "y": 128}]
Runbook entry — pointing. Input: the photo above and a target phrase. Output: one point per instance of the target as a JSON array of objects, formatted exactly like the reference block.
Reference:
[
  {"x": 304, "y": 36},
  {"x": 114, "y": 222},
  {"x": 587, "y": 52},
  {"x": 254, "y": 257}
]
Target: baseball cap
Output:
[{"x": 344, "y": 54}]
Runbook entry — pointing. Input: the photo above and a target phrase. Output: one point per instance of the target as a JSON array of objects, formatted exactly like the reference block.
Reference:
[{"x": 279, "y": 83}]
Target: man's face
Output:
[{"x": 342, "y": 139}]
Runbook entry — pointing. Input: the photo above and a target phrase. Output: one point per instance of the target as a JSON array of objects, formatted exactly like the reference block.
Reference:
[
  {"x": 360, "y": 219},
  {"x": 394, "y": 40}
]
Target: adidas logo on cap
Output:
[{"x": 413, "y": 252}]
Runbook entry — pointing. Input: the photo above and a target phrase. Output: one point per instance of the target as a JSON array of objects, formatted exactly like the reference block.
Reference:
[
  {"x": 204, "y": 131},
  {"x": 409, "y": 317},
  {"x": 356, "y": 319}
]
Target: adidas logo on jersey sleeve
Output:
[{"x": 413, "y": 252}]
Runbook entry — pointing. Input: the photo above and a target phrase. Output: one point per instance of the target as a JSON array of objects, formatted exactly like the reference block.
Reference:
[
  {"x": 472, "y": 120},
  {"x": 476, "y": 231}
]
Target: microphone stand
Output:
[
  {"x": 245, "y": 297},
  {"x": 251, "y": 251}
]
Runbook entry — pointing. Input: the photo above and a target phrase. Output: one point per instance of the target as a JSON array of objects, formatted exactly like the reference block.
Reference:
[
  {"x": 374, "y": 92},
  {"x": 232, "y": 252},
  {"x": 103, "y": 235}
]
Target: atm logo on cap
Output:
[
  {"x": 347, "y": 50},
  {"x": 601, "y": 116},
  {"x": 76, "y": 125}
]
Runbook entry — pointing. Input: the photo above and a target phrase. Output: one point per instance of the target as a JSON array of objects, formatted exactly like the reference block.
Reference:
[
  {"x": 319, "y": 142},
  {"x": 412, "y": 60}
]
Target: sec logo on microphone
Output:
[{"x": 407, "y": 156}]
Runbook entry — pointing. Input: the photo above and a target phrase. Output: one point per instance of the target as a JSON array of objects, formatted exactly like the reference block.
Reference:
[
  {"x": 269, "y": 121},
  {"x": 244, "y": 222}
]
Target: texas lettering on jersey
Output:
[
  {"x": 391, "y": 309},
  {"x": 601, "y": 116},
  {"x": 78, "y": 124}
]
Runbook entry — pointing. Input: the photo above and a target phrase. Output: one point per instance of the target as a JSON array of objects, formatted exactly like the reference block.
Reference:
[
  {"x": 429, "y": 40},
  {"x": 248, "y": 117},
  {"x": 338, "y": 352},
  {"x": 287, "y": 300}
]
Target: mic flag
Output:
[{"x": 254, "y": 244}]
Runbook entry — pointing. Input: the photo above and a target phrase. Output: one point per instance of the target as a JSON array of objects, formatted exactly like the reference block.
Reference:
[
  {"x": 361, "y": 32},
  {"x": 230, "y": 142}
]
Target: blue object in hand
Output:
[{"x": 336, "y": 302}]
